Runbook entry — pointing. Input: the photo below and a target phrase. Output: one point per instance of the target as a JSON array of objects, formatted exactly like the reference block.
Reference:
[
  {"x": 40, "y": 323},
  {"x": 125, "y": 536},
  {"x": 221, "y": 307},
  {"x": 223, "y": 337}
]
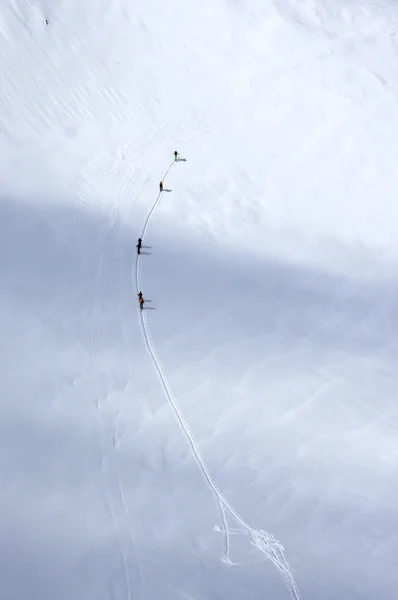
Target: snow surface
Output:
[{"x": 170, "y": 454}]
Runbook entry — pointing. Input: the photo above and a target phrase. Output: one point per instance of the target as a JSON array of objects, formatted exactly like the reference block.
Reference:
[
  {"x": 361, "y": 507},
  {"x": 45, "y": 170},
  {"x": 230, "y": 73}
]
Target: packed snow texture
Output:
[{"x": 238, "y": 437}]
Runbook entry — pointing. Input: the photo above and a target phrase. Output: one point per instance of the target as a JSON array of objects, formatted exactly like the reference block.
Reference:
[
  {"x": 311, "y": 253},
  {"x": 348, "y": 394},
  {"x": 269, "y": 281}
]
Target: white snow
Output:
[{"x": 238, "y": 438}]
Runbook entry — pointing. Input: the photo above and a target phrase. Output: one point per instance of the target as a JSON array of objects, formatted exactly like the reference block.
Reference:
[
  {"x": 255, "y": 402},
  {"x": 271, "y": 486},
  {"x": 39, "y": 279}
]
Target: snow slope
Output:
[{"x": 252, "y": 404}]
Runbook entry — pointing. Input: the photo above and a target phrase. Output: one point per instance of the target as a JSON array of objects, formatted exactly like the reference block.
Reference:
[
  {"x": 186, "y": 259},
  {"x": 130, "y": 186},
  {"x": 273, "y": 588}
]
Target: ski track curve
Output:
[{"x": 265, "y": 542}]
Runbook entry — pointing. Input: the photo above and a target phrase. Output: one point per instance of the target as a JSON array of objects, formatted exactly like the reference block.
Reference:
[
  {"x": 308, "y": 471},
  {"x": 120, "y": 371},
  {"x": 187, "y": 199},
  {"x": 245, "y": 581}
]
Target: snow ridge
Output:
[{"x": 262, "y": 540}]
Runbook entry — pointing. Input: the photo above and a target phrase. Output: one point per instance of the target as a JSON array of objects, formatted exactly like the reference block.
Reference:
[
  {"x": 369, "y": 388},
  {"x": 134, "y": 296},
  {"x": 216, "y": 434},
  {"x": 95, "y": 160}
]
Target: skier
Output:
[
  {"x": 139, "y": 295},
  {"x": 139, "y": 246},
  {"x": 141, "y": 301},
  {"x": 161, "y": 186},
  {"x": 175, "y": 155}
]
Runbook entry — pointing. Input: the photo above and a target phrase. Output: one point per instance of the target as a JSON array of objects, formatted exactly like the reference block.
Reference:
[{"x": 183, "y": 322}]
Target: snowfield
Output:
[{"x": 237, "y": 439}]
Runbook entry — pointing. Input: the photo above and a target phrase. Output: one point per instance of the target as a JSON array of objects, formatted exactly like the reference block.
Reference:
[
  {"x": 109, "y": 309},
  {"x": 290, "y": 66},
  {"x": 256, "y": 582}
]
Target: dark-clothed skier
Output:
[
  {"x": 139, "y": 246},
  {"x": 175, "y": 155},
  {"x": 161, "y": 186},
  {"x": 141, "y": 300}
]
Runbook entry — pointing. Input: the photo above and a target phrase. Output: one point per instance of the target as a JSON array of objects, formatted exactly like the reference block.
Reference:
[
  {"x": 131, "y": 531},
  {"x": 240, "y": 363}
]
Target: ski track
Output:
[
  {"x": 262, "y": 540},
  {"x": 110, "y": 475}
]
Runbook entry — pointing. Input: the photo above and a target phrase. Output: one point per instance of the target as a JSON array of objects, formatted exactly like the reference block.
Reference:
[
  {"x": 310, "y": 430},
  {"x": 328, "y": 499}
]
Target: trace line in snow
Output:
[
  {"x": 107, "y": 471},
  {"x": 262, "y": 540}
]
